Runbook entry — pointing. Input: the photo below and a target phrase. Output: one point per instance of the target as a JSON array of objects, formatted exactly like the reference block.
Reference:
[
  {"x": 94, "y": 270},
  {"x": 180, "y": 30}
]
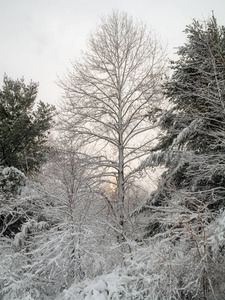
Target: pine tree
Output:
[
  {"x": 189, "y": 200},
  {"x": 23, "y": 130},
  {"x": 192, "y": 145},
  {"x": 22, "y": 148}
]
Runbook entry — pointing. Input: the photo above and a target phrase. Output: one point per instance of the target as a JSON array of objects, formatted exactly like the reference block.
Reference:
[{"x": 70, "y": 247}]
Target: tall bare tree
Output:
[{"x": 108, "y": 94}]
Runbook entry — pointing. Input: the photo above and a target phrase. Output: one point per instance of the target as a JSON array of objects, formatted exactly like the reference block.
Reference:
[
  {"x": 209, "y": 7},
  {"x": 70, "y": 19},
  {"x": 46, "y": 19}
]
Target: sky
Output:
[{"x": 39, "y": 39}]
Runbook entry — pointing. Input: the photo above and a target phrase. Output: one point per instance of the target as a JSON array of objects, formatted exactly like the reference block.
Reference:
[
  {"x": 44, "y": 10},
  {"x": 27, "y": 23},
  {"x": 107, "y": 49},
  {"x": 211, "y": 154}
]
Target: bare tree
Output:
[{"x": 108, "y": 94}]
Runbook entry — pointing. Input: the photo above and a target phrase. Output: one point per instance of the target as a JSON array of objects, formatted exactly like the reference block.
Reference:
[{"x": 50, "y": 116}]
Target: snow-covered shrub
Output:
[
  {"x": 178, "y": 264},
  {"x": 22, "y": 215},
  {"x": 11, "y": 180}
]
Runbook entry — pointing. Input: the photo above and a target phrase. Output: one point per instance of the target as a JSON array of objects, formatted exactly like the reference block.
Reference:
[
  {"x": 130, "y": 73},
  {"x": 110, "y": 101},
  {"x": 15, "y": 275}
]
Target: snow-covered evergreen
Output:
[{"x": 190, "y": 195}]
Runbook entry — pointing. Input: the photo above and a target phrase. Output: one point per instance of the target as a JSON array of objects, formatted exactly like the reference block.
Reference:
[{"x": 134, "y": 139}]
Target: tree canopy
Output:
[
  {"x": 191, "y": 191},
  {"x": 192, "y": 140},
  {"x": 107, "y": 96},
  {"x": 23, "y": 129}
]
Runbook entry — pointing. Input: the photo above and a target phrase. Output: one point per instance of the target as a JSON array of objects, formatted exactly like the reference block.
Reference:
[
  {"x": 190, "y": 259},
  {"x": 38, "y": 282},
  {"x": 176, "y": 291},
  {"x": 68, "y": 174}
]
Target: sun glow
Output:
[{"x": 112, "y": 187}]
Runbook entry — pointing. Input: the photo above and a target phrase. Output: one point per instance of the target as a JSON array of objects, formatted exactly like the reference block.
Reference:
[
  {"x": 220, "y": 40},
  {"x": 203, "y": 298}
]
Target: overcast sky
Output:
[{"x": 40, "y": 38}]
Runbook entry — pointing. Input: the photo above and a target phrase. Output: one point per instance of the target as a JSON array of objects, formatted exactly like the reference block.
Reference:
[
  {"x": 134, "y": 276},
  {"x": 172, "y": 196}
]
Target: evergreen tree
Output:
[
  {"x": 190, "y": 197},
  {"x": 23, "y": 131},
  {"x": 192, "y": 142}
]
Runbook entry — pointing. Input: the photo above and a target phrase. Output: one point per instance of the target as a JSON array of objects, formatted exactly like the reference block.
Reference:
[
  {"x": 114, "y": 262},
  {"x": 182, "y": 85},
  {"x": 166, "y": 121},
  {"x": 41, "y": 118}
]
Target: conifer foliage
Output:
[
  {"x": 191, "y": 145},
  {"x": 190, "y": 197},
  {"x": 22, "y": 129}
]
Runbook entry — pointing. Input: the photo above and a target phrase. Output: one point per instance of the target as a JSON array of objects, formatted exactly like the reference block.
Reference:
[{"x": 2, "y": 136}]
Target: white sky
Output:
[{"x": 40, "y": 38}]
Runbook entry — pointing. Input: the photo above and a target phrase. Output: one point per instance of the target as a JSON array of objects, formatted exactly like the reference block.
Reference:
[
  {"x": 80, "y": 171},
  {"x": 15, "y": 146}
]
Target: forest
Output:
[{"x": 118, "y": 192}]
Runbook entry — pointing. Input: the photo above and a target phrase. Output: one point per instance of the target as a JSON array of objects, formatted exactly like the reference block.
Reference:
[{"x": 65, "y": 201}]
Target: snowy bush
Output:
[
  {"x": 168, "y": 267},
  {"x": 11, "y": 179}
]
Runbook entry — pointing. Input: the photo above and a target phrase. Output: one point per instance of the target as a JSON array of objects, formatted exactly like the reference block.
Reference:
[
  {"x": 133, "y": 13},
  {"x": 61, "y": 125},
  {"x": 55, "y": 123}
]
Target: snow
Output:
[{"x": 183, "y": 135}]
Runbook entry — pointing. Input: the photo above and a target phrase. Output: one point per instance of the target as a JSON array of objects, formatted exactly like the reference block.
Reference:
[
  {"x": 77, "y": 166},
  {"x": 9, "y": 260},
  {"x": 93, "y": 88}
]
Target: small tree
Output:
[
  {"x": 107, "y": 96},
  {"x": 23, "y": 131},
  {"x": 67, "y": 244}
]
